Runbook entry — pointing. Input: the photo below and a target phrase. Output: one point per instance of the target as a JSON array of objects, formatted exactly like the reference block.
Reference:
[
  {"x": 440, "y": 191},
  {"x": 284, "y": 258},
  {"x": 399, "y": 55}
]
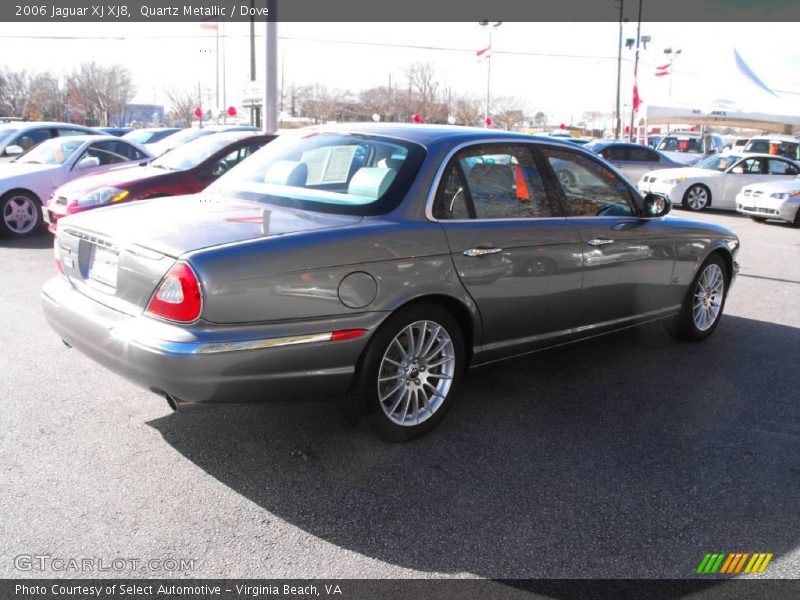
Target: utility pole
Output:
[
  {"x": 636, "y": 68},
  {"x": 496, "y": 24},
  {"x": 254, "y": 117},
  {"x": 271, "y": 70},
  {"x": 618, "y": 123}
]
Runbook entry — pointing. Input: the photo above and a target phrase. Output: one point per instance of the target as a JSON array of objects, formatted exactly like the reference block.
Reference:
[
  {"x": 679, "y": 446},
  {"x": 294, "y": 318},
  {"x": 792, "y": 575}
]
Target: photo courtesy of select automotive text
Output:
[{"x": 358, "y": 300}]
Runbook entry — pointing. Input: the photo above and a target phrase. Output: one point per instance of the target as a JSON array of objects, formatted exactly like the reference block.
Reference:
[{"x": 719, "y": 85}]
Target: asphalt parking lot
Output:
[{"x": 628, "y": 456}]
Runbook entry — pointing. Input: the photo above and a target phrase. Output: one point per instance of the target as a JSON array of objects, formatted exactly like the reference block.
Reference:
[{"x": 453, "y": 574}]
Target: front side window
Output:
[
  {"x": 68, "y": 131},
  {"x": 192, "y": 153},
  {"x": 750, "y": 166},
  {"x": 718, "y": 163},
  {"x": 106, "y": 152},
  {"x": 675, "y": 144},
  {"x": 613, "y": 153},
  {"x": 493, "y": 182},
  {"x": 341, "y": 173},
  {"x": 589, "y": 188},
  {"x": 642, "y": 154}
]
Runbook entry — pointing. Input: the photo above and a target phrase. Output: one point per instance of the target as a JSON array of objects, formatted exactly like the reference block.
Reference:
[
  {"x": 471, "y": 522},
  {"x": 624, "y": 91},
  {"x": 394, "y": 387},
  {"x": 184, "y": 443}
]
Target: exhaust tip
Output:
[{"x": 172, "y": 402}]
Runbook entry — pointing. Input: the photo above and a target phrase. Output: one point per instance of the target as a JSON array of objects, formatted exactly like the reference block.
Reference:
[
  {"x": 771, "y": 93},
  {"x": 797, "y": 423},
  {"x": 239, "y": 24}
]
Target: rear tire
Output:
[
  {"x": 20, "y": 214},
  {"x": 409, "y": 374},
  {"x": 704, "y": 302}
]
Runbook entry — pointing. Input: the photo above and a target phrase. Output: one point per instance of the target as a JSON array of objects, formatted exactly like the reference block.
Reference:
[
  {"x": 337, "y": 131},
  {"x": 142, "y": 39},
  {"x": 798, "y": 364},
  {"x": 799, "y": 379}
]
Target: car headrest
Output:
[
  {"x": 287, "y": 172},
  {"x": 371, "y": 182}
]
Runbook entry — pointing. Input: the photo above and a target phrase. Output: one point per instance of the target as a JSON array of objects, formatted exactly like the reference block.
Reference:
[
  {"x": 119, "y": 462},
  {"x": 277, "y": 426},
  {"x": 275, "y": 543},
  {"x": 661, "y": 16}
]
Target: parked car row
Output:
[{"x": 31, "y": 182}]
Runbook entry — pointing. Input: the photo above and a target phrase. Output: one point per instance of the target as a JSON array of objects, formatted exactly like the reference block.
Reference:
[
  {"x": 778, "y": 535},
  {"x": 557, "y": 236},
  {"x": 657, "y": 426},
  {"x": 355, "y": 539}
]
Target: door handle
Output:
[
  {"x": 600, "y": 242},
  {"x": 481, "y": 251}
]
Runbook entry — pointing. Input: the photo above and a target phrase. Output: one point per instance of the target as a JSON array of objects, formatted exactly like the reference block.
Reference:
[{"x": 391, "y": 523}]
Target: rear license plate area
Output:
[{"x": 103, "y": 268}]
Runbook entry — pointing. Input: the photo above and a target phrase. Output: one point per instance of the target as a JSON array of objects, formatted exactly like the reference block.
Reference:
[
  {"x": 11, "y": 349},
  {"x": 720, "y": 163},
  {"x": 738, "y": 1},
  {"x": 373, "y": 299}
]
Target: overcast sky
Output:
[{"x": 562, "y": 69}]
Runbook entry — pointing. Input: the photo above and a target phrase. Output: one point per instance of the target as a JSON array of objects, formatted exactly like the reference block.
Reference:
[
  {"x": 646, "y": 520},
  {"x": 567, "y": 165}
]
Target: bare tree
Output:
[
  {"x": 540, "y": 119},
  {"x": 48, "y": 98},
  {"x": 468, "y": 110},
  {"x": 379, "y": 100},
  {"x": 508, "y": 113},
  {"x": 182, "y": 103},
  {"x": 423, "y": 96},
  {"x": 322, "y": 104},
  {"x": 14, "y": 93},
  {"x": 104, "y": 91}
]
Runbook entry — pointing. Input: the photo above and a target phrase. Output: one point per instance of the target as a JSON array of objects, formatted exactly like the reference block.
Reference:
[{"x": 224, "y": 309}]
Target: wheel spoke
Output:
[
  {"x": 393, "y": 391},
  {"x": 431, "y": 341}
]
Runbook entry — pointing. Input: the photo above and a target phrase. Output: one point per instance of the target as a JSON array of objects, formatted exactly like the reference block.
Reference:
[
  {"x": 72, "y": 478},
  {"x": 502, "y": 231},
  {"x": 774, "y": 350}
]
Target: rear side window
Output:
[
  {"x": 493, "y": 182},
  {"x": 781, "y": 167},
  {"x": 641, "y": 154},
  {"x": 67, "y": 131},
  {"x": 589, "y": 188}
]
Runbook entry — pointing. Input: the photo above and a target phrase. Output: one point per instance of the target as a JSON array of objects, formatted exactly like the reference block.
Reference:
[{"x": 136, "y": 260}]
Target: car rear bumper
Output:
[{"x": 210, "y": 363}]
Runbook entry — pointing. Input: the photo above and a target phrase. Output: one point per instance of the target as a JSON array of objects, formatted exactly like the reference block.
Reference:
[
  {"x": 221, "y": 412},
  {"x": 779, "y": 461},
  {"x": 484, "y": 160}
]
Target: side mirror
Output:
[
  {"x": 656, "y": 205},
  {"x": 88, "y": 162},
  {"x": 14, "y": 150},
  {"x": 737, "y": 170}
]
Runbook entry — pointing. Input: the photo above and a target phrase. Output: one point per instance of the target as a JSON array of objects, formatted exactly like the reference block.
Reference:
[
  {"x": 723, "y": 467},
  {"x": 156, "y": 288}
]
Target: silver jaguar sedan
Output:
[{"x": 378, "y": 262}]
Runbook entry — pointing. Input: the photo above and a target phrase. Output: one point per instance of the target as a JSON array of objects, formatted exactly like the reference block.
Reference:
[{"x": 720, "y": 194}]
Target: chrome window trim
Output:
[{"x": 507, "y": 141}]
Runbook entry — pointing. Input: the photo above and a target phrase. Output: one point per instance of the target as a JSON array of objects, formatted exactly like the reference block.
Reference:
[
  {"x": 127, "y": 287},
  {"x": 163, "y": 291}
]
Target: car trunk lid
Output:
[{"x": 118, "y": 255}]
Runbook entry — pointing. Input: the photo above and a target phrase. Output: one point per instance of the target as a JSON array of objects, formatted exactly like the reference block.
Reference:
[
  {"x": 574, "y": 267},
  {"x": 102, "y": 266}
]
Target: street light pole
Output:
[
  {"x": 618, "y": 124},
  {"x": 270, "y": 116},
  {"x": 488, "y": 71},
  {"x": 636, "y": 68}
]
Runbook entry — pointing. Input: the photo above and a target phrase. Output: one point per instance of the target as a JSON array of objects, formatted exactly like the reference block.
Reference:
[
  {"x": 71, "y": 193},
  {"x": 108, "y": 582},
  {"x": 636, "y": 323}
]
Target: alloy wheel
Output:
[
  {"x": 416, "y": 373},
  {"x": 20, "y": 214},
  {"x": 708, "y": 296}
]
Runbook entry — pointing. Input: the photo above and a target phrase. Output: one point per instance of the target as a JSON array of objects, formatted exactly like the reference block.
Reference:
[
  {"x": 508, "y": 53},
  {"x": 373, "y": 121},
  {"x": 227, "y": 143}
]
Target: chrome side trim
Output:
[{"x": 195, "y": 348}]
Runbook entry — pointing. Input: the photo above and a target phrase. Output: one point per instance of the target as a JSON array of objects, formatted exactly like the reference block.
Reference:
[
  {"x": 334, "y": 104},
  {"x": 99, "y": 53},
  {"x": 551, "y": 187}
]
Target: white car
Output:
[
  {"x": 716, "y": 180},
  {"x": 27, "y": 182},
  {"x": 764, "y": 201},
  {"x": 17, "y": 137}
]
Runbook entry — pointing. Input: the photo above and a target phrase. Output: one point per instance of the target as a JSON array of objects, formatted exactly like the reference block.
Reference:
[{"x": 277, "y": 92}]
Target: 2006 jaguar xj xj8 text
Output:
[{"x": 378, "y": 262}]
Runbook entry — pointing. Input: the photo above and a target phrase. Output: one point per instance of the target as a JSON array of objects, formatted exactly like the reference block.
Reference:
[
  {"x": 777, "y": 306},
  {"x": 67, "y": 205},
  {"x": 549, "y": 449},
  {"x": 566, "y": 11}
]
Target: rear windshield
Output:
[
  {"x": 676, "y": 144},
  {"x": 774, "y": 147},
  {"x": 327, "y": 172}
]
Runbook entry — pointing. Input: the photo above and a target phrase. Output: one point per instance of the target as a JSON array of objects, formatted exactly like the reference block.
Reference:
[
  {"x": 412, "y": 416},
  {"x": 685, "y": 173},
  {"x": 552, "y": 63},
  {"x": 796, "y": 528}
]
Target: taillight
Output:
[{"x": 178, "y": 296}]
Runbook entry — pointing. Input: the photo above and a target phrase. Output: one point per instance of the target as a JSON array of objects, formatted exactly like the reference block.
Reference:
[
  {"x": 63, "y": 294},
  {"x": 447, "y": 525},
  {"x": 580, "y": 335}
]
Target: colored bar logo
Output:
[{"x": 733, "y": 563}]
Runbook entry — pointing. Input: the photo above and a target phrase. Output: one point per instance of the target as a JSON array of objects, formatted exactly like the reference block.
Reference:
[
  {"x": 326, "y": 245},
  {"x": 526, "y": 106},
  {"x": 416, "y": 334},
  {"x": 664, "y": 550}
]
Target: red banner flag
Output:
[{"x": 637, "y": 100}]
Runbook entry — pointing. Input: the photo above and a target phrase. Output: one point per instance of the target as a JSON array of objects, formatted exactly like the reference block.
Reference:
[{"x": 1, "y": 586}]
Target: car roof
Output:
[
  {"x": 26, "y": 124},
  {"x": 426, "y": 135}
]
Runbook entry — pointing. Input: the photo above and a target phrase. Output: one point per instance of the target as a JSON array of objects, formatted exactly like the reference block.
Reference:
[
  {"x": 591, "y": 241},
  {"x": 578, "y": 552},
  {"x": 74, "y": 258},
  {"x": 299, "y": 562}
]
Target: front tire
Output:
[
  {"x": 20, "y": 213},
  {"x": 697, "y": 198},
  {"x": 704, "y": 301},
  {"x": 409, "y": 373}
]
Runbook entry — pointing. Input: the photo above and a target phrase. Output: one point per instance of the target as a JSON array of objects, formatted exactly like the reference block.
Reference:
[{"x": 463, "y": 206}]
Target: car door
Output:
[
  {"x": 514, "y": 252},
  {"x": 752, "y": 170},
  {"x": 627, "y": 259}
]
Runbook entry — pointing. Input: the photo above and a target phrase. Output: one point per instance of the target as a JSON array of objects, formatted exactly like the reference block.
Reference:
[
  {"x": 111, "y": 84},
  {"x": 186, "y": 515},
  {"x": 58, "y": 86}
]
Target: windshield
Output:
[
  {"x": 327, "y": 172},
  {"x": 4, "y": 133},
  {"x": 186, "y": 135},
  {"x": 191, "y": 154},
  {"x": 718, "y": 163},
  {"x": 675, "y": 144},
  {"x": 146, "y": 136},
  {"x": 52, "y": 152}
]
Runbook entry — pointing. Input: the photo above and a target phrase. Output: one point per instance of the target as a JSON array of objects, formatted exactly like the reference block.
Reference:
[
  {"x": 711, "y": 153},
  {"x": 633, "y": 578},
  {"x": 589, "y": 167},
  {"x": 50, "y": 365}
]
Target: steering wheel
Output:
[
  {"x": 220, "y": 169},
  {"x": 566, "y": 178}
]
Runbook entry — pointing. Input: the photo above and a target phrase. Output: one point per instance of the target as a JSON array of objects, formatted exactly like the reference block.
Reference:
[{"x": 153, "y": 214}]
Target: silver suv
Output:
[{"x": 689, "y": 148}]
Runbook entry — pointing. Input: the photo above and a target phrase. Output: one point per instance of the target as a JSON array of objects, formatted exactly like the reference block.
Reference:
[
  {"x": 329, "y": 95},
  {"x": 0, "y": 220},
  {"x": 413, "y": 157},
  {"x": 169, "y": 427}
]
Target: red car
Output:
[{"x": 186, "y": 170}]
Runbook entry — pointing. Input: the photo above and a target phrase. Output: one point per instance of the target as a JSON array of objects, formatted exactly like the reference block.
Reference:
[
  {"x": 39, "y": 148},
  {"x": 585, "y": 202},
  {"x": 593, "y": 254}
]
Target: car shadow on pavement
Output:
[
  {"x": 34, "y": 242},
  {"x": 626, "y": 456}
]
